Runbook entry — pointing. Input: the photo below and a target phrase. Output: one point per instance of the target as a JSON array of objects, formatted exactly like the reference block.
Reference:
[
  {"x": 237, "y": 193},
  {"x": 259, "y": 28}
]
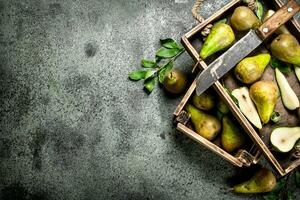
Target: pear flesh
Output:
[
  {"x": 288, "y": 96},
  {"x": 284, "y": 138},
  {"x": 205, "y": 125},
  {"x": 251, "y": 69},
  {"x": 247, "y": 106},
  {"x": 220, "y": 37},
  {"x": 262, "y": 181},
  {"x": 244, "y": 19},
  {"x": 232, "y": 138},
  {"x": 264, "y": 94},
  {"x": 286, "y": 48}
]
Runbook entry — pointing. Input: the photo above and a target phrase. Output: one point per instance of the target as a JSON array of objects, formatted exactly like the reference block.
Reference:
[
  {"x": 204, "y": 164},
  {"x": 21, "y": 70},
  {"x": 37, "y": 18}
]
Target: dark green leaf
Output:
[
  {"x": 297, "y": 175},
  {"x": 275, "y": 117},
  {"x": 290, "y": 195},
  {"x": 149, "y": 74},
  {"x": 149, "y": 85},
  {"x": 222, "y": 21},
  {"x": 167, "y": 53},
  {"x": 165, "y": 70},
  {"x": 169, "y": 44},
  {"x": 283, "y": 67},
  {"x": 148, "y": 63},
  {"x": 137, "y": 75},
  {"x": 271, "y": 196},
  {"x": 260, "y": 9}
]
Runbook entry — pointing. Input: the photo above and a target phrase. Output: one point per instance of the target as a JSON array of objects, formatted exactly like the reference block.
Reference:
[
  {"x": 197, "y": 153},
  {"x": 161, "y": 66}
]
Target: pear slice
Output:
[
  {"x": 288, "y": 96},
  {"x": 247, "y": 106},
  {"x": 284, "y": 138},
  {"x": 297, "y": 71}
]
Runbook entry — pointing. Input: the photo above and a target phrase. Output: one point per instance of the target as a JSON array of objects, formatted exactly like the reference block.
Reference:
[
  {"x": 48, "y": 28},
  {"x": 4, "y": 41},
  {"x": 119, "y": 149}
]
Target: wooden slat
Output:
[{"x": 211, "y": 146}]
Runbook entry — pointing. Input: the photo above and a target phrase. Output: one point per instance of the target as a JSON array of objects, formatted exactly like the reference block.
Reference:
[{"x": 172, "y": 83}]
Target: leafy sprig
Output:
[
  {"x": 157, "y": 69},
  {"x": 285, "y": 187},
  {"x": 282, "y": 66}
]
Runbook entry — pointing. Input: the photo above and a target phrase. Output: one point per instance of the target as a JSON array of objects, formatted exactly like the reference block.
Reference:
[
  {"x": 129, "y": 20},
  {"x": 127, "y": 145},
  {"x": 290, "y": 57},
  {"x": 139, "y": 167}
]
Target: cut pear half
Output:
[
  {"x": 247, "y": 106},
  {"x": 288, "y": 96},
  {"x": 284, "y": 138}
]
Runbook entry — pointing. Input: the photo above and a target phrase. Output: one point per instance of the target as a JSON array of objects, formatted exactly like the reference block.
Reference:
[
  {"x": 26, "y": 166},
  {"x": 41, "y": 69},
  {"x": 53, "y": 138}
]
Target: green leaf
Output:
[
  {"x": 149, "y": 74},
  {"x": 290, "y": 195},
  {"x": 137, "y": 75},
  {"x": 260, "y": 9},
  {"x": 271, "y": 196},
  {"x": 148, "y": 63},
  {"x": 222, "y": 21},
  {"x": 165, "y": 70},
  {"x": 297, "y": 177},
  {"x": 167, "y": 53},
  {"x": 280, "y": 185},
  {"x": 149, "y": 85},
  {"x": 169, "y": 43},
  {"x": 283, "y": 67},
  {"x": 275, "y": 117}
]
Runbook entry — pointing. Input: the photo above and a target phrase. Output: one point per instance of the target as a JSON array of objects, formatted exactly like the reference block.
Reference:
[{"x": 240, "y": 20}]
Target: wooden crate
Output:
[{"x": 192, "y": 41}]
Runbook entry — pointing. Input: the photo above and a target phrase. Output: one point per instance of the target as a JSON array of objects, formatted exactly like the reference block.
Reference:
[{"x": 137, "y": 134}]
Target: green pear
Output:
[
  {"x": 205, "y": 125},
  {"x": 220, "y": 37},
  {"x": 247, "y": 106},
  {"x": 222, "y": 107},
  {"x": 285, "y": 138},
  {"x": 262, "y": 181},
  {"x": 251, "y": 69},
  {"x": 175, "y": 81},
  {"x": 205, "y": 101},
  {"x": 232, "y": 138},
  {"x": 264, "y": 94},
  {"x": 244, "y": 19},
  {"x": 288, "y": 96},
  {"x": 282, "y": 29},
  {"x": 286, "y": 48}
]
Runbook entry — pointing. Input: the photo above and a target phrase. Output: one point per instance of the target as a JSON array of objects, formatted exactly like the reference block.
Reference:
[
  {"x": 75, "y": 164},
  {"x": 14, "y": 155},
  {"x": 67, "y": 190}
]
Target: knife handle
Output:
[{"x": 278, "y": 19}]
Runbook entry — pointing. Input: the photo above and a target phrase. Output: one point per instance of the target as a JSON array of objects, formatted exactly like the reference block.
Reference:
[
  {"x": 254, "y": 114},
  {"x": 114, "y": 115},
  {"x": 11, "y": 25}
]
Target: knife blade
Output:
[{"x": 243, "y": 47}]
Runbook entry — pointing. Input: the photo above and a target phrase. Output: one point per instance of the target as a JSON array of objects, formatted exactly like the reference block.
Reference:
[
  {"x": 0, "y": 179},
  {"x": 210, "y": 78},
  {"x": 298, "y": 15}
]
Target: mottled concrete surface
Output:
[{"x": 73, "y": 126}]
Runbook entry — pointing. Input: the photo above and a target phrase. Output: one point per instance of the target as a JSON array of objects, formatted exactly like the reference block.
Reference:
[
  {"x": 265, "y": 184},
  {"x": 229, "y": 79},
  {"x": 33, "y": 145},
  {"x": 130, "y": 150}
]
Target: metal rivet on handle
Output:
[
  {"x": 265, "y": 30},
  {"x": 290, "y": 9}
]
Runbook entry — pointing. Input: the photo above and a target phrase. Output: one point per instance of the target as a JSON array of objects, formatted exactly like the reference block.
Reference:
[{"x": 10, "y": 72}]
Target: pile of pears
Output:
[
  {"x": 202, "y": 109},
  {"x": 257, "y": 98}
]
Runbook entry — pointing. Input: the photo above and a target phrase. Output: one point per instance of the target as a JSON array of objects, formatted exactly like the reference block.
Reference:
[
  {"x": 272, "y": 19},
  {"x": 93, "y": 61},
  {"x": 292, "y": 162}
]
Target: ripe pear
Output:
[
  {"x": 244, "y": 19},
  {"x": 222, "y": 107},
  {"x": 232, "y": 138},
  {"x": 175, "y": 81},
  {"x": 285, "y": 138},
  {"x": 288, "y": 96},
  {"x": 251, "y": 69},
  {"x": 205, "y": 125},
  {"x": 247, "y": 106},
  {"x": 264, "y": 94},
  {"x": 220, "y": 37},
  {"x": 286, "y": 48},
  {"x": 205, "y": 101},
  {"x": 281, "y": 29},
  {"x": 262, "y": 181}
]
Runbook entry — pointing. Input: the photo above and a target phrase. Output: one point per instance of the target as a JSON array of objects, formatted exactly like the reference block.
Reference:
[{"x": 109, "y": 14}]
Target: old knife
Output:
[{"x": 244, "y": 46}]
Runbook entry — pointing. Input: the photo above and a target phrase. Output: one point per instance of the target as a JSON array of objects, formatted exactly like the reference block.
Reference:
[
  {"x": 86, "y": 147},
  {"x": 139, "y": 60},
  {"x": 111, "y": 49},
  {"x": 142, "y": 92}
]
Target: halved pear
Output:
[
  {"x": 247, "y": 106},
  {"x": 288, "y": 96},
  {"x": 284, "y": 138},
  {"x": 297, "y": 71}
]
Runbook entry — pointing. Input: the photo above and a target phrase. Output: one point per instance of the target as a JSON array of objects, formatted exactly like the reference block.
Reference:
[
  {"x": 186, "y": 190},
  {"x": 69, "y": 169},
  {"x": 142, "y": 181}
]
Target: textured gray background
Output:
[{"x": 73, "y": 126}]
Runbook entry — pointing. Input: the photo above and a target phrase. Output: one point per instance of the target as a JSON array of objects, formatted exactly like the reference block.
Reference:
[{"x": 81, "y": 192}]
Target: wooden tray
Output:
[{"x": 193, "y": 41}]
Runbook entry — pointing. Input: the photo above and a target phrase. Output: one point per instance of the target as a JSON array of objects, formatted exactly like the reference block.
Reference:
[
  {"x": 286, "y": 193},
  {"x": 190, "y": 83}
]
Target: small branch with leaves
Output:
[{"x": 158, "y": 68}]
